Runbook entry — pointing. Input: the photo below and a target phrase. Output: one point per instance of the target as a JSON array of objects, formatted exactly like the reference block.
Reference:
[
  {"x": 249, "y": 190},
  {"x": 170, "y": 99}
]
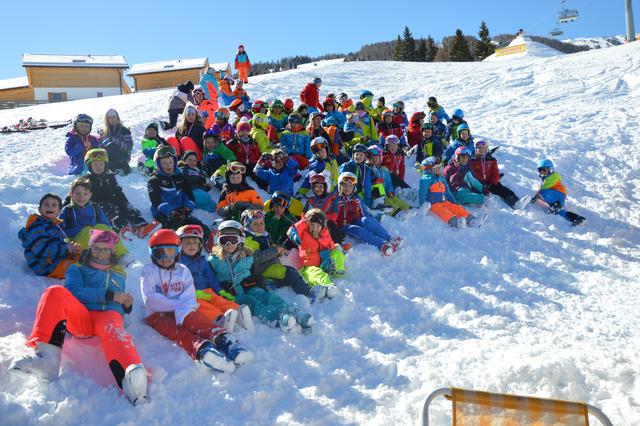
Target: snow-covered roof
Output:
[
  {"x": 46, "y": 60},
  {"x": 220, "y": 66},
  {"x": 163, "y": 66},
  {"x": 14, "y": 83}
]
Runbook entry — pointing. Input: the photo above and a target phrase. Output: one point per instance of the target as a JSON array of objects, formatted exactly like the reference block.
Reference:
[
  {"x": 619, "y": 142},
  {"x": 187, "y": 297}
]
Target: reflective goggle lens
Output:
[
  {"x": 237, "y": 168},
  {"x": 164, "y": 252},
  {"x": 227, "y": 240}
]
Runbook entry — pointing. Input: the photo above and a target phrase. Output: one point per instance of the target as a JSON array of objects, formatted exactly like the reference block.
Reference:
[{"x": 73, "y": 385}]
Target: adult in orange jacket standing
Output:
[{"x": 242, "y": 64}]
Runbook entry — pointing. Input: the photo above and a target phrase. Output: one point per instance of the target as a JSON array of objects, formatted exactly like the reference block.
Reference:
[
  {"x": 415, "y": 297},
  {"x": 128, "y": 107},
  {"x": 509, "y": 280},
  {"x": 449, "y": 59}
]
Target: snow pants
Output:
[
  {"x": 243, "y": 72},
  {"x": 82, "y": 238},
  {"x": 173, "y": 118},
  {"x": 315, "y": 276},
  {"x": 466, "y": 196},
  {"x": 57, "y": 305},
  {"x": 398, "y": 183},
  {"x": 203, "y": 200},
  {"x": 397, "y": 204},
  {"x": 505, "y": 193},
  {"x": 283, "y": 276},
  {"x": 368, "y": 230},
  {"x": 195, "y": 330},
  {"x": 335, "y": 231},
  {"x": 447, "y": 210},
  {"x": 215, "y": 307},
  {"x": 118, "y": 159},
  {"x": 122, "y": 215},
  {"x": 266, "y": 305},
  {"x": 551, "y": 196}
]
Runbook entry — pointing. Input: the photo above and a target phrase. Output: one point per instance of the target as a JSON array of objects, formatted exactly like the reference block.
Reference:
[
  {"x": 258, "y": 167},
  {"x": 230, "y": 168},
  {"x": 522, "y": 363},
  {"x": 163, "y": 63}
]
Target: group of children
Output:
[{"x": 333, "y": 170}]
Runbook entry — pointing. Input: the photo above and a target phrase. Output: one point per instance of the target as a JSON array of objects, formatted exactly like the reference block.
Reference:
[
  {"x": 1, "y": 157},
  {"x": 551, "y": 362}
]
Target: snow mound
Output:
[
  {"x": 533, "y": 50},
  {"x": 523, "y": 305}
]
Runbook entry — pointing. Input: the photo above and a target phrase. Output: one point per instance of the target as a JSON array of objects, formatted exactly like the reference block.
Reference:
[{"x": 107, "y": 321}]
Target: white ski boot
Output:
[
  {"x": 233, "y": 350},
  {"x": 44, "y": 362},
  {"x": 229, "y": 320},
  {"x": 477, "y": 221},
  {"x": 134, "y": 384},
  {"x": 287, "y": 323},
  {"x": 244, "y": 319},
  {"x": 523, "y": 202},
  {"x": 331, "y": 291},
  {"x": 214, "y": 359}
]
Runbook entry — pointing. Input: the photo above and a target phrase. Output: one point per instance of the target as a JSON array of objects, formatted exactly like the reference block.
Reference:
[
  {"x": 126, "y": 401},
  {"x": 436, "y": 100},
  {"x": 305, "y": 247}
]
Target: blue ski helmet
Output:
[
  {"x": 463, "y": 126},
  {"x": 360, "y": 147},
  {"x": 546, "y": 164},
  {"x": 427, "y": 164},
  {"x": 458, "y": 113}
]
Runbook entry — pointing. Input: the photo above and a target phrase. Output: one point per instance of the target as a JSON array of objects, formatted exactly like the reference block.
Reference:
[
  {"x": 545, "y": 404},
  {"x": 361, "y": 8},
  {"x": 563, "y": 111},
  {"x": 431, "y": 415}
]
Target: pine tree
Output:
[
  {"x": 409, "y": 45},
  {"x": 432, "y": 49},
  {"x": 460, "y": 49},
  {"x": 484, "y": 47},
  {"x": 398, "y": 52},
  {"x": 421, "y": 51}
]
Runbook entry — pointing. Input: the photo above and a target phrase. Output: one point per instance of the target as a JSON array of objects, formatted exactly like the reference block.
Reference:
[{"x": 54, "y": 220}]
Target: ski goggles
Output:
[
  {"x": 349, "y": 179},
  {"x": 280, "y": 201},
  {"x": 98, "y": 156},
  {"x": 229, "y": 240},
  {"x": 252, "y": 215},
  {"x": 480, "y": 144},
  {"x": 318, "y": 179},
  {"x": 237, "y": 168},
  {"x": 164, "y": 252},
  {"x": 318, "y": 146}
]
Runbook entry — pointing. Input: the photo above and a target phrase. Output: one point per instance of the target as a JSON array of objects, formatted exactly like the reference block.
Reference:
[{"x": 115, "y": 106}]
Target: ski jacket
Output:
[
  {"x": 106, "y": 190},
  {"x": 348, "y": 209},
  {"x": 44, "y": 244},
  {"x": 440, "y": 113},
  {"x": 207, "y": 110},
  {"x": 453, "y": 129},
  {"x": 168, "y": 193},
  {"x": 401, "y": 119},
  {"x": 168, "y": 290},
  {"x": 434, "y": 189},
  {"x": 231, "y": 270},
  {"x": 485, "y": 169},
  {"x": 227, "y": 131},
  {"x": 260, "y": 136},
  {"x": 345, "y": 106},
  {"x": 441, "y": 132},
  {"x": 94, "y": 288},
  {"x": 263, "y": 251},
  {"x": 553, "y": 181},
  {"x": 351, "y": 135},
  {"x": 229, "y": 197},
  {"x": 460, "y": 177},
  {"x": 369, "y": 129},
  {"x": 395, "y": 163},
  {"x": 319, "y": 166},
  {"x": 194, "y": 131},
  {"x": 148, "y": 147},
  {"x": 195, "y": 178},
  {"x": 324, "y": 203},
  {"x": 277, "y": 228},
  {"x": 309, "y": 248},
  {"x": 225, "y": 94},
  {"x": 365, "y": 178},
  {"x": 334, "y": 118},
  {"x": 310, "y": 95},
  {"x": 470, "y": 145},
  {"x": 119, "y": 137},
  {"x": 245, "y": 152},
  {"x": 382, "y": 179},
  {"x": 242, "y": 60},
  {"x": 385, "y": 130},
  {"x": 74, "y": 147},
  {"x": 180, "y": 97},
  {"x": 74, "y": 218},
  {"x": 220, "y": 152},
  {"x": 431, "y": 147},
  {"x": 279, "y": 180},
  {"x": 296, "y": 143},
  {"x": 201, "y": 272},
  {"x": 279, "y": 121},
  {"x": 414, "y": 133}
]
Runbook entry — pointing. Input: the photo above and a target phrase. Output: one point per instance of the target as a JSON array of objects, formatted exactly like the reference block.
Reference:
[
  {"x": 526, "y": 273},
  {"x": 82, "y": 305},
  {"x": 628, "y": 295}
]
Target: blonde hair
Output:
[
  {"x": 105, "y": 132},
  {"x": 242, "y": 251},
  {"x": 182, "y": 126}
]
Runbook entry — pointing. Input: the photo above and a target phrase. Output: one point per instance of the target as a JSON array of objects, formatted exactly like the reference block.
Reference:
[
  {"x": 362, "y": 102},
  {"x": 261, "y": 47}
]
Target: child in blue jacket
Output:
[
  {"x": 81, "y": 216},
  {"x": 79, "y": 141},
  {"x": 46, "y": 249},
  {"x": 225, "y": 312},
  {"x": 278, "y": 170},
  {"x": 295, "y": 141},
  {"x": 358, "y": 166},
  {"x": 231, "y": 262}
]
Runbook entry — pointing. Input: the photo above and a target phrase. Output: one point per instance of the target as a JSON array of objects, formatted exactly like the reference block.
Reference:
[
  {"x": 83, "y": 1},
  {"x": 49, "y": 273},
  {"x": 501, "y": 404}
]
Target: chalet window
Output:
[
  {"x": 100, "y": 94},
  {"x": 57, "y": 96}
]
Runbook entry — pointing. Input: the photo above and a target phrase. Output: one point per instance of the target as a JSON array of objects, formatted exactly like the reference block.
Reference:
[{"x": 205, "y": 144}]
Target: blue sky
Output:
[{"x": 146, "y": 31}]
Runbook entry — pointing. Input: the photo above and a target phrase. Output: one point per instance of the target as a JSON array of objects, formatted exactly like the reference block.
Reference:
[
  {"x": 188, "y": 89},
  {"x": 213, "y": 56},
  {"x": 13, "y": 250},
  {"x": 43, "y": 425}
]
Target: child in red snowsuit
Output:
[{"x": 92, "y": 302}]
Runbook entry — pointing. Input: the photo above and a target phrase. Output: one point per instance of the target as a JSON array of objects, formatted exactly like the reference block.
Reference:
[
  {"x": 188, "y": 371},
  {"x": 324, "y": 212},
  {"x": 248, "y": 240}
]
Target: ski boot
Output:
[
  {"x": 214, "y": 359},
  {"x": 233, "y": 349},
  {"x": 44, "y": 363},
  {"x": 244, "y": 320},
  {"x": 134, "y": 384}
]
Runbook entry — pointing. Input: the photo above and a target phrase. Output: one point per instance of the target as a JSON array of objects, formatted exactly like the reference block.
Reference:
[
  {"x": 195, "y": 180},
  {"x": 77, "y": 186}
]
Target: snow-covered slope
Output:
[
  {"x": 524, "y": 305},
  {"x": 597, "y": 42},
  {"x": 533, "y": 50}
]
